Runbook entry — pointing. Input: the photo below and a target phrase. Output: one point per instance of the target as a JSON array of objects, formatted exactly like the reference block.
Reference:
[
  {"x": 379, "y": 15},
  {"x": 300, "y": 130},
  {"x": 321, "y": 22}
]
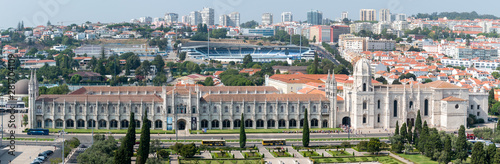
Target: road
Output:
[{"x": 323, "y": 53}]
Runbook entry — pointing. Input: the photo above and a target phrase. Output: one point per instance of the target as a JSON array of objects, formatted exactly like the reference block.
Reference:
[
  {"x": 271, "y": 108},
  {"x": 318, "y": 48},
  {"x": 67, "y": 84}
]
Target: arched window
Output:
[
  {"x": 325, "y": 124},
  {"x": 248, "y": 109},
  {"x": 271, "y": 123},
  {"x": 426, "y": 107},
  {"x": 147, "y": 111},
  {"x": 293, "y": 109},
  {"x": 70, "y": 123},
  {"x": 91, "y": 123},
  {"x": 314, "y": 123},
  {"x": 158, "y": 124},
  {"x": 102, "y": 109},
  {"x": 215, "y": 123},
  {"x": 69, "y": 109},
  {"x": 59, "y": 123},
  {"x": 124, "y": 124},
  {"x": 204, "y": 124},
  {"x": 137, "y": 124},
  {"x": 282, "y": 110},
  {"x": 301, "y": 122},
  {"x": 378, "y": 104},
  {"x": 80, "y": 124},
  {"x": 281, "y": 123},
  {"x": 314, "y": 109},
  {"x": 236, "y": 123},
  {"x": 193, "y": 109},
  {"x": 292, "y": 123},
  {"x": 226, "y": 110},
  {"x": 260, "y": 109},
  {"x": 260, "y": 123},
  {"x": 58, "y": 109},
  {"x": 226, "y": 124},
  {"x": 378, "y": 118},
  {"x": 364, "y": 119},
  {"x": 204, "y": 109},
  {"x": 114, "y": 110},
  {"x": 270, "y": 109},
  {"x": 248, "y": 123},
  {"x": 158, "y": 110},
  {"x": 364, "y": 87},
  {"x": 136, "y": 110},
  {"x": 91, "y": 109},
  {"x": 169, "y": 109},
  {"x": 102, "y": 123},
  {"x": 411, "y": 104},
  {"x": 113, "y": 124},
  {"x": 395, "y": 108},
  {"x": 364, "y": 105},
  {"x": 80, "y": 109},
  {"x": 215, "y": 110},
  {"x": 303, "y": 108},
  {"x": 237, "y": 109},
  {"x": 124, "y": 109}
]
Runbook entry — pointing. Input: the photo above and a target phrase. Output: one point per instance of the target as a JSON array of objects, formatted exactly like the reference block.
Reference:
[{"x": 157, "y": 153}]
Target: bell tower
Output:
[{"x": 331, "y": 94}]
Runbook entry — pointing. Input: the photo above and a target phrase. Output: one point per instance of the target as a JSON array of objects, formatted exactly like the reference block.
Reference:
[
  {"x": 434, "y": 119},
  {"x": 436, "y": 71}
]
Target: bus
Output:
[
  {"x": 273, "y": 142},
  {"x": 38, "y": 131},
  {"x": 213, "y": 142}
]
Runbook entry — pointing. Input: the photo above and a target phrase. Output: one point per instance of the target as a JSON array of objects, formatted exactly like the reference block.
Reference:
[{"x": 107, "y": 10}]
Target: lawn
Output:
[
  {"x": 30, "y": 139},
  {"x": 381, "y": 159},
  {"x": 309, "y": 154},
  {"x": 236, "y": 131},
  {"x": 222, "y": 155},
  {"x": 234, "y": 161},
  {"x": 113, "y": 131},
  {"x": 339, "y": 153},
  {"x": 417, "y": 158},
  {"x": 281, "y": 154},
  {"x": 252, "y": 155}
]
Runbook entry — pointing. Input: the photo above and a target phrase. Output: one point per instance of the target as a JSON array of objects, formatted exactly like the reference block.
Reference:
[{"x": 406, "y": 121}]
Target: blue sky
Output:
[{"x": 79, "y": 11}]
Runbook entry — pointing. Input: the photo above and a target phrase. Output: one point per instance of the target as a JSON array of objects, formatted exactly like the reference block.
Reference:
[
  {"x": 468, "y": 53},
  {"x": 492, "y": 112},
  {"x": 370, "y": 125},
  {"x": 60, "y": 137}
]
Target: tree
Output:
[
  {"x": 381, "y": 79},
  {"x": 447, "y": 148},
  {"x": 246, "y": 60},
  {"x": 497, "y": 157},
  {"x": 243, "y": 135},
  {"x": 397, "y": 143},
  {"x": 478, "y": 155},
  {"x": 490, "y": 153},
  {"x": 188, "y": 150},
  {"x": 163, "y": 153},
  {"x": 120, "y": 156},
  {"x": 209, "y": 81},
  {"x": 418, "y": 128},
  {"x": 461, "y": 144},
  {"x": 143, "y": 151},
  {"x": 424, "y": 135},
  {"x": 159, "y": 63},
  {"x": 305, "y": 130},
  {"x": 396, "y": 81},
  {"x": 404, "y": 132},
  {"x": 410, "y": 133},
  {"x": 75, "y": 78},
  {"x": 396, "y": 131},
  {"x": 374, "y": 145},
  {"x": 182, "y": 56},
  {"x": 130, "y": 137}
]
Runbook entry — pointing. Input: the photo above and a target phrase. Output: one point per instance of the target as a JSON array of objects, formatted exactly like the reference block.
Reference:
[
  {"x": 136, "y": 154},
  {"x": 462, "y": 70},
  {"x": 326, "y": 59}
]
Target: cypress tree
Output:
[
  {"x": 418, "y": 123},
  {"x": 410, "y": 134},
  {"x": 396, "y": 131},
  {"x": 490, "y": 154},
  {"x": 305, "y": 131},
  {"x": 497, "y": 157},
  {"x": 143, "y": 151},
  {"x": 478, "y": 155},
  {"x": 461, "y": 144},
  {"x": 403, "y": 132},
  {"x": 447, "y": 147},
  {"x": 126, "y": 150},
  {"x": 498, "y": 125},
  {"x": 243, "y": 135},
  {"x": 423, "y": 138}
]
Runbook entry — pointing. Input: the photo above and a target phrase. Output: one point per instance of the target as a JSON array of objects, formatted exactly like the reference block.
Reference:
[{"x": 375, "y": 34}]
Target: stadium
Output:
[{"x": 227, "y": 52}]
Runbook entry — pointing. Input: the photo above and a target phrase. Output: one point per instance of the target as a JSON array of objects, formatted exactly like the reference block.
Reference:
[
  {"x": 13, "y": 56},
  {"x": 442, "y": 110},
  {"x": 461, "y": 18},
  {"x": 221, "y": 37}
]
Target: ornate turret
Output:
[{"x": 362, "y": 76}]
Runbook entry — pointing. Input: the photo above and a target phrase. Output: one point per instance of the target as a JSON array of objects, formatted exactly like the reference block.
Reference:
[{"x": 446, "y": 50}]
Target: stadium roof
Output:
[{"x": 190, "y": 45}]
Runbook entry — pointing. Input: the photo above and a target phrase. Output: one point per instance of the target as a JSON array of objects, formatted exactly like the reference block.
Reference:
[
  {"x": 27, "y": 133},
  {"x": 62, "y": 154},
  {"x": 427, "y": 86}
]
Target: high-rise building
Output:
[
  {"x": 267, "y": 19},
  {"x": 315, "y": 17},
  {"x": 207, "y": 16},
  {"x": 286, "y": 17},
  {"x": 345, "y": 15},
  {"x": 171, "y": 17},
  {"x": 235, "y": 19},
  {"x": 146, "y": 20},
  {"x": 384, "y": 15},
  {"x": 367, "y": 15},
  {"x": 400, "y": 17},
  {"x": 224, "y": 20},
  {"x": 195, "y": 18},
  {"x": 185, "y": 19}
]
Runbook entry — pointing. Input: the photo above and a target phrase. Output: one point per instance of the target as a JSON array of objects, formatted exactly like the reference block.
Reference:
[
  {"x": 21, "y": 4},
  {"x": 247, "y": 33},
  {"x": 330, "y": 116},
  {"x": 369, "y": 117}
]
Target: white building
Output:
[
  {"x": 207, "y": 16},
  {"x": 171, "y": 18},
  {"x": 267, "y": 19},
  {"x": 384, "y": 15},
  {"x": 286, "y": 17}
]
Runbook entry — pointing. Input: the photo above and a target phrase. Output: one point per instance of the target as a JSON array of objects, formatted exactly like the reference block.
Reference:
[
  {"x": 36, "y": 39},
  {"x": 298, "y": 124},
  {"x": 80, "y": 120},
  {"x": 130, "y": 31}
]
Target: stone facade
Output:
[{"x": 362, "y": 105}]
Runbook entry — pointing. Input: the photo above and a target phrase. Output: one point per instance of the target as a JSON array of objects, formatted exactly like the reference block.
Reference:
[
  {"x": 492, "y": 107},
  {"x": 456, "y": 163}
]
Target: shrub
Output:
[{"x": 340, "y": 159}]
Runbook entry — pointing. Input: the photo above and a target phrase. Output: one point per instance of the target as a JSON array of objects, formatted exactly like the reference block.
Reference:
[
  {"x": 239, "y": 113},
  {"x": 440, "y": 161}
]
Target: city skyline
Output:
[{"x": 77, "y": 12}]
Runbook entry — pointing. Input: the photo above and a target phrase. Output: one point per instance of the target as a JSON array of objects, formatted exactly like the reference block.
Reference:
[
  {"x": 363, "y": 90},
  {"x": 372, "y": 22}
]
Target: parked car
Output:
[
  {"x": 42, "y": 154},
  {"x": 38, "y": 160},
  {"x": 41, "y": 158},
  {"x": 35, "y": 162},
  {"x": 48, "y": 152}
]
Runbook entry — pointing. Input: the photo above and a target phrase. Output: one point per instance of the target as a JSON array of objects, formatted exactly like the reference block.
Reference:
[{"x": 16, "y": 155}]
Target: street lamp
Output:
[{"x": 62, "y": 135}]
